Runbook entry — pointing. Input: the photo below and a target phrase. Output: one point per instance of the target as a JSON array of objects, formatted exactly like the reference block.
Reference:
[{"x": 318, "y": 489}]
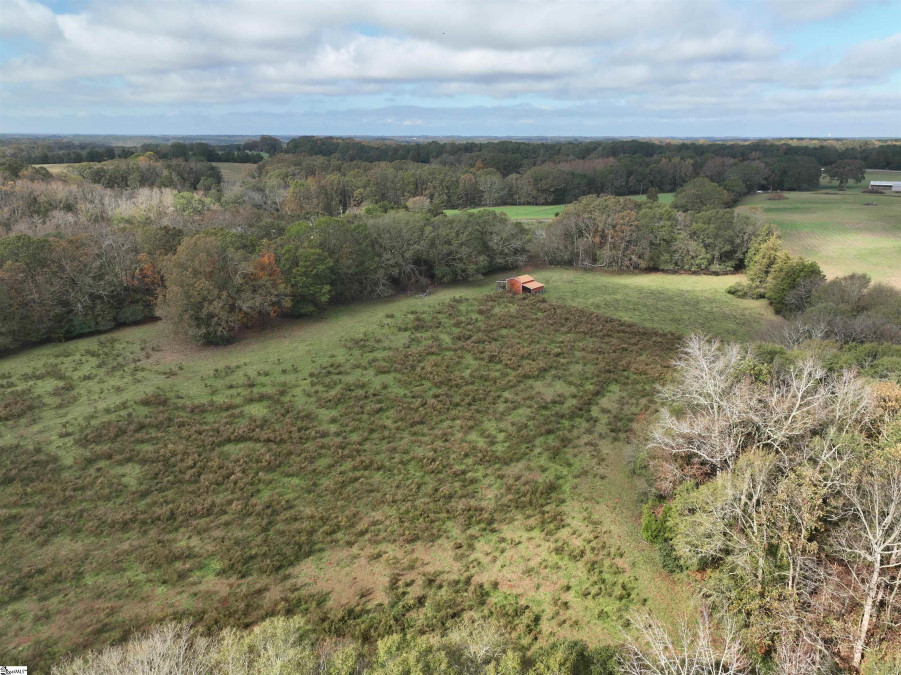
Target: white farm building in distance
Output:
[{"x": 886, "y": 185}]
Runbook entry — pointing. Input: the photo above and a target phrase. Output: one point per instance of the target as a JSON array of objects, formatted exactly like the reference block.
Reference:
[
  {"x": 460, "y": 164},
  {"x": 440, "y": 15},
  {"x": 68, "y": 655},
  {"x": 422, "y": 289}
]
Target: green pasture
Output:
[
  {"x": 844, "y": 232},
  {"x": 521, "y": 212},
  {"x": 871, "y": 174},
  {"x": 683, "y": 303}
]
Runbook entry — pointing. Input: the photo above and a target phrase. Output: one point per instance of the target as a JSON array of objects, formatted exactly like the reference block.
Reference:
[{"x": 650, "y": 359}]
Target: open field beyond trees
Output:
[
  {"x": 524, "y": 212},
  {"x": 840, "y": 230},
  {"x": 233, "y": 172},
  {"x": 545, "y": 213},
  {"x": 387, "y": 466}
]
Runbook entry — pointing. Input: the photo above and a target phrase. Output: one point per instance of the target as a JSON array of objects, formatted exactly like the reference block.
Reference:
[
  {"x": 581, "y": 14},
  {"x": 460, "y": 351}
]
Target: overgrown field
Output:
[
  {"x": 386, "y": 467},
  {"x": 839, "y": 230}
]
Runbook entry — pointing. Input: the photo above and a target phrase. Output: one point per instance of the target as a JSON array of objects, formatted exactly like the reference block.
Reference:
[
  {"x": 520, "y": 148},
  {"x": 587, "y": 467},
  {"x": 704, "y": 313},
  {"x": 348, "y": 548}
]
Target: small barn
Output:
[
  {"x": 520, "y": 285},
  {"x": 885, "y": 185}
]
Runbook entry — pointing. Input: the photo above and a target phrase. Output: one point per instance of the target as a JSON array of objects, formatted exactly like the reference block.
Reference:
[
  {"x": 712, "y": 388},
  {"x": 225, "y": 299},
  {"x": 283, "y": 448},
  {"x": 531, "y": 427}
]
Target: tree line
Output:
[
  {"x": 82, "y": 258},
  {"x": 619, "y": 233},
  {"x": 324, "y": 176},
  {"x": 66, "y": 151},
  {"x": 328, "y": 186},
  {"x": 214, "y": 281},
  {"x": 506, "y": 156},
  {"x": 210, "y": 269}
]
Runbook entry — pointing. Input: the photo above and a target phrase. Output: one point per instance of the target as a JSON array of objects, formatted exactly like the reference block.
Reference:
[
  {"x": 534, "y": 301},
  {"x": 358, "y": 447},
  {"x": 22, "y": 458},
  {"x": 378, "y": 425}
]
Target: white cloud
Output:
[
  {"x": 883, "y": 54},
  {"x": 689, "y": 58},
  {"x": 28, "y": 19},
  {"x": 816, "y": 10}
]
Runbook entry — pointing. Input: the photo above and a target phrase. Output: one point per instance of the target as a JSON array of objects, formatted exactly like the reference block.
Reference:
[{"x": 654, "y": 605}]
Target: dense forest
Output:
[
  {"x": 331, "y": 176},
  {"x": 506, "y": 156}
]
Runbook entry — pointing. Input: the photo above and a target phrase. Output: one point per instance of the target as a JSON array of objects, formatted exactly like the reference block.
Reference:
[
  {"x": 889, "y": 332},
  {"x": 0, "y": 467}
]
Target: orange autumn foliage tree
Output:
[{"x": 212, "y": 290}]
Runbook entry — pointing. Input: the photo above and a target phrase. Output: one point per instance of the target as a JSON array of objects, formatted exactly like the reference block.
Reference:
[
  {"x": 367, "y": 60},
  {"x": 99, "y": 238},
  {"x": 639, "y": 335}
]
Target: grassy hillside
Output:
[
  {"x": 386, "y": 466},
  {"x": 673, "y": 302},
  {"x": 839, "y": 230}
]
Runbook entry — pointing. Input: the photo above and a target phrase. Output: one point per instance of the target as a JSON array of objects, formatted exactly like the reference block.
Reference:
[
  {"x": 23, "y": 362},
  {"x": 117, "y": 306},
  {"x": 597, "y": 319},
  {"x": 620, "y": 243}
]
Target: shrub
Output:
[
  {"x": 654, "y": 522},
  {"x": 787, "y": 274}
]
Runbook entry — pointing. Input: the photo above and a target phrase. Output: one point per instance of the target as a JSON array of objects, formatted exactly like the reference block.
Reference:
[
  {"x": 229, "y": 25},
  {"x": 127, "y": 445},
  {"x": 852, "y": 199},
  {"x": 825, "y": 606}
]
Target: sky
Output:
[{"x": 674, "y": 68}]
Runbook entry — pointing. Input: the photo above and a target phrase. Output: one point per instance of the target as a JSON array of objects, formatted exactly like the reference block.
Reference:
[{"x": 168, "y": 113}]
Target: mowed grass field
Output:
[
  {"x": 870, "y": 175},
  {"x": 386, "y": 466},
  {"x": 839, "y": 230}
]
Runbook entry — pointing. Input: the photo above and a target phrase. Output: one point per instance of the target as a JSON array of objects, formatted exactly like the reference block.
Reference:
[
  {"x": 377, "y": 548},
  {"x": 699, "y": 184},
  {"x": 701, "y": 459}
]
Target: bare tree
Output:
[
  {"x": 712, "y": 403},
  {"x": 478, "y": 643},
  {"x": 798, "y": 651},
  {"x": 870, "y": 542},
  {"x": 777, "y": 453},
  {"x": 174, "y": 649},
  {"x": 693, "y": 650}
]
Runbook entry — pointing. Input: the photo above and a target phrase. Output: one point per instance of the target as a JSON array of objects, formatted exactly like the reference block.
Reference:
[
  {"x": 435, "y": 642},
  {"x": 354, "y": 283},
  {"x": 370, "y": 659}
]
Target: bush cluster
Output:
[{"x": 289, "y": 645}]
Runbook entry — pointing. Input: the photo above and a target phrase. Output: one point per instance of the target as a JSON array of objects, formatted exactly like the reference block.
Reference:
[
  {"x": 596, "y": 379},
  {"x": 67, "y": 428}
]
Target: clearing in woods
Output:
[
  {"x": 387, "y": 465},
  {"x": 234, "y": 173},
  {"x": 844, "y": 232},
  {"x": 544, "y": 213}
]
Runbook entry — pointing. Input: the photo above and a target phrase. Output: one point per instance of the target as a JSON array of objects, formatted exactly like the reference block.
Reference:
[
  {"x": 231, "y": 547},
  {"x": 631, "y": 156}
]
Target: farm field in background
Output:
[
  {"x": 872, "y": 174},
  {"x": 234, "y": 173},
  {"x": 520, "y": 212},
  {"x": 55, "y": 169},
  {"x": 384, "y": 466},
  {"x": 544, "y": 213},
  {"x": 665, "y": 197},
  {"x": 839, "y": 231}
]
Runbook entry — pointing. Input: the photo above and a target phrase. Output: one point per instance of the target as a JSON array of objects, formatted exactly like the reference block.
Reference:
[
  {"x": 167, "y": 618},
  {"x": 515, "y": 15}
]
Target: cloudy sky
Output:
[{"x": 465, "y": 67}]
